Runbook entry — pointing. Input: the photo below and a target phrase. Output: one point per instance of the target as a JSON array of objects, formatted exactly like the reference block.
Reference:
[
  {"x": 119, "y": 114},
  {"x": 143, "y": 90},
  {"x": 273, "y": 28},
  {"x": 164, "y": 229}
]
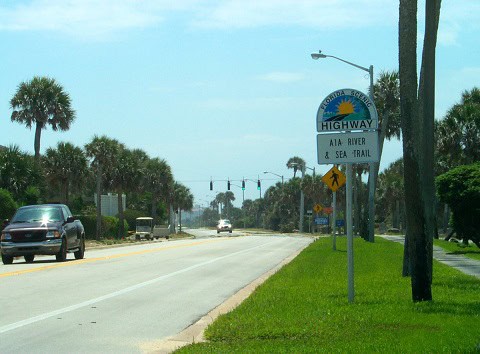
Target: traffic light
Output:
[
  {"x": 243, "y": 185},
  {"x": 258, "y": 185},
  {"x": 228, "y": 184},
  {"x": 211, "y": 185}
]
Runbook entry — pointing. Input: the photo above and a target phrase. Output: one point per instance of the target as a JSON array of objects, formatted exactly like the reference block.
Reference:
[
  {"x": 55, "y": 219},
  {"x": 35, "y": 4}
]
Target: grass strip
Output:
[
  {"x": 471, "y": 251},
  {"x": 303, "y": 308}
]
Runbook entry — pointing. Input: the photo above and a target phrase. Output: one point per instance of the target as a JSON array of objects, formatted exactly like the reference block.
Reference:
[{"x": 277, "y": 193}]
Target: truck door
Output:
[{"x": 70, "y": 230}]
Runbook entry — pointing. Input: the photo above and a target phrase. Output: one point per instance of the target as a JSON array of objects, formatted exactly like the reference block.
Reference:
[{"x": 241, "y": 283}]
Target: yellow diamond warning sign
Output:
[{"x": 334, "y": 179}]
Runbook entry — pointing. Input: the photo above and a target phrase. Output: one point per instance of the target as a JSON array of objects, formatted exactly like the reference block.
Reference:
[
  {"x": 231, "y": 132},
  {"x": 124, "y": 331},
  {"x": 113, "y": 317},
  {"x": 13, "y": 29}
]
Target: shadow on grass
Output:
[
  {"x": 450, "y": 308},
  {"x": 465, "y": 252}
]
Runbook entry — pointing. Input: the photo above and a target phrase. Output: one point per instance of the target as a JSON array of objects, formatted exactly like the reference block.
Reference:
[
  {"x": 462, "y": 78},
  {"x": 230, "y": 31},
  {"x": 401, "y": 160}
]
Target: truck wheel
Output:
[
  {"x": 29, "y": 258},
  {"x": 7, "y": 259},
  {"x": 61, "y": 256},
  {"x": 81, "y": 252}
]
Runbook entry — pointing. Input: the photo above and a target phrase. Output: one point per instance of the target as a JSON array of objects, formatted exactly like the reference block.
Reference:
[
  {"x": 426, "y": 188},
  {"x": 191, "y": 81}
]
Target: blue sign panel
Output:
[
  {"x": 321, "y": 221},
  {"x": 340, "y": 222}
]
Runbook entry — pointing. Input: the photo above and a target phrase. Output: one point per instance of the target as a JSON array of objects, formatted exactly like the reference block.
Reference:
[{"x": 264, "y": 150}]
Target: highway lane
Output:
[{"x": 123, "y": 299}]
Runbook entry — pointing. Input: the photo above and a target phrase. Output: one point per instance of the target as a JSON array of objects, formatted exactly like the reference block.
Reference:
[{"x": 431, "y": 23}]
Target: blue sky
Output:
[{"x": 220, "y": 89}]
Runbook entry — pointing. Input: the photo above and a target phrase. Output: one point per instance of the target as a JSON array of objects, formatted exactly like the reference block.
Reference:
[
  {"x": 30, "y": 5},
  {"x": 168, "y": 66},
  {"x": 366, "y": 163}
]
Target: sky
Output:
[{"x": 219, "y": 89}]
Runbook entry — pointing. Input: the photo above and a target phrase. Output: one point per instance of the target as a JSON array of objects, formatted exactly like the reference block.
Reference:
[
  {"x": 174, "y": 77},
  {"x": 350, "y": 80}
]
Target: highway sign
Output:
[
  {"x": 345, "y": 110},
  {"x": 317, "y": 208},
  {"x": 334, "y": 179},
  {"x": 349, "y": 147},
  {"x": 321, "y": 220},
  {"x": 328, "y": 210}
]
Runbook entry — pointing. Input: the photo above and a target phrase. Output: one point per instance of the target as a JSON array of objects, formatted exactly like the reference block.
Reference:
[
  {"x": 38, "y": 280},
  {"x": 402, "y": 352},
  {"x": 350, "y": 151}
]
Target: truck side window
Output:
[{"x": 65, "y": 214}]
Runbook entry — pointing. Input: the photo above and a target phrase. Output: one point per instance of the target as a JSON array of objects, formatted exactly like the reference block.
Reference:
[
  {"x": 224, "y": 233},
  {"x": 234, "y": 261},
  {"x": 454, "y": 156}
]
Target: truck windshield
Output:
[{"x": 43, "y": 214}]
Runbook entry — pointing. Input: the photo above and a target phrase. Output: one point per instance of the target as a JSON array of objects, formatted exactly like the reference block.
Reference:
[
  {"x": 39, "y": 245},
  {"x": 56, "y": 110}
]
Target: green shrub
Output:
[
  {"x": 31, "y": 195},
  {"x": 110, "y": 226},
  {"x": 7, "y": 205},
  {"x": 89, "y": 223},
  {"x": 460, "y": 189},
  {"x": 131, "y": 215}
]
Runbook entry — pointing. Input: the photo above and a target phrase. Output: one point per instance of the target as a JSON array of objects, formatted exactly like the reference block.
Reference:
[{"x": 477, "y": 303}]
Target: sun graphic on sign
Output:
[{"x": 345, "y": 107}]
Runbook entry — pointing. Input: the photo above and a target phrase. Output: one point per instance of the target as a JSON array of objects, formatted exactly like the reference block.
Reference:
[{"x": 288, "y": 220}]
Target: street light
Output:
[
  {"x": 302, "y": 196},
  {"x": 275, "y": 175},
  {"x": 312, "y": 169},
  {"x": 319, "y": 55},
  {"x": 371, "y": 165}
]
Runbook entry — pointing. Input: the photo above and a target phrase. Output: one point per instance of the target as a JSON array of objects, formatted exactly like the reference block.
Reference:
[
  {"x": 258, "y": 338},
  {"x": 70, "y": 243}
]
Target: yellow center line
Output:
[{"x": 121, "y": 255}]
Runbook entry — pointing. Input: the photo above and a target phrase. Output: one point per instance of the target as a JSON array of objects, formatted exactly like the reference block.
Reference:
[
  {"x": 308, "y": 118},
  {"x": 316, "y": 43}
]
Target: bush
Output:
[
  {"x": 110, "y": 225},
  {"x": 287, "y": 227},
  {"x": 7, "y": 205},
  {"x": 31, "y": 195},
  {"x": 89, "y": 223},
  {"x": 460, "y": 189},
  {"x": 131, "y": 215}
]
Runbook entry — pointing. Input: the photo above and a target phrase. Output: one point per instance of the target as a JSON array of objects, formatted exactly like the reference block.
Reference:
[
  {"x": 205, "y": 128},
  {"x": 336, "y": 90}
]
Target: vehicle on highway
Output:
[
  {"x": 45, "y": 229},
  {"x": 144, "y": 228},
  {"x": 224, "y": 225}
]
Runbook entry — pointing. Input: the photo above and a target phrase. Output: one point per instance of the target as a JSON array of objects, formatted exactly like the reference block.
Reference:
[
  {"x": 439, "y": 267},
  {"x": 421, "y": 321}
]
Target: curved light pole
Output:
[
  {"x": 371, "y": 165},
  {"x": 275, "y": 175}
]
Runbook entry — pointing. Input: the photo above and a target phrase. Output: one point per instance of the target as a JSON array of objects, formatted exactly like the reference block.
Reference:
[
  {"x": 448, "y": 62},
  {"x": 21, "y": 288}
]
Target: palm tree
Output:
[
  {"x": 18, "y": 171},
  {"x": 127, "y": 173},
  {"x": 103, "y": 151},
  {"x": 183, "y": 200},
  {"x": 158, "y": 181},
  {"x": 295, "y": 163},
  {"x": 42, "y": 102},
  {"x": 65, "y": 166},
  {"x": 458, "y": 134}
]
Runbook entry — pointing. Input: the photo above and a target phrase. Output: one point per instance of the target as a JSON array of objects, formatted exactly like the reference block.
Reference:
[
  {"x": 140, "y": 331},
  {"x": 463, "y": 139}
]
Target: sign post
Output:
[{"x": 347, "y": 121}]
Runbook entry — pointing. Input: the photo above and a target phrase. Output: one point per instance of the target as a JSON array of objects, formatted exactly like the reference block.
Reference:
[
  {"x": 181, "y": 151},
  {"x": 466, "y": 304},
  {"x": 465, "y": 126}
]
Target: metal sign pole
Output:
[
  {"x": 334, "y": 221},
  {"x": 351, "y": 290}
]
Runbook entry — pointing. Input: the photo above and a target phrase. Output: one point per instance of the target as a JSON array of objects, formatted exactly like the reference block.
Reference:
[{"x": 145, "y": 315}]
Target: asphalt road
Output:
[{"x": 121, "y": 300}]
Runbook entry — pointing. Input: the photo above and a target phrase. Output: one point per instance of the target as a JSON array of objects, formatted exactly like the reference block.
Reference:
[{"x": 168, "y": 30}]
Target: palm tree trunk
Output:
[
  {"x": 180, "y": 219},
  {"x": 121, "y": 218},
  {"x": 36, "y": 145},
  {"x": 99, "y": 202},
  {"x": 154, "y": 208}
]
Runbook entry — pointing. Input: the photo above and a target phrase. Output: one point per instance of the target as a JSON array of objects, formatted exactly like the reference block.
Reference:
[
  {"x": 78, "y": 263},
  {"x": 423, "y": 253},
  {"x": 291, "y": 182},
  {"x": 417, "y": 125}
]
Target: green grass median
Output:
[
  {"x": 303, "y": 308},
  {"x": 471, "y": 251}
]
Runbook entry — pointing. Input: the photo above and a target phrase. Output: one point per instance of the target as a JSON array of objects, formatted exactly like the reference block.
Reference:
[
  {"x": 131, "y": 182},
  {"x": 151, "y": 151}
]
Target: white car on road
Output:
[{"x": 224, "y": 225}]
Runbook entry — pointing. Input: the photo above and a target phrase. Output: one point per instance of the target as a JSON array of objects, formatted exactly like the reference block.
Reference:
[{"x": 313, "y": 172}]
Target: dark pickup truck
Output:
[{"x": 45, "y": 229}]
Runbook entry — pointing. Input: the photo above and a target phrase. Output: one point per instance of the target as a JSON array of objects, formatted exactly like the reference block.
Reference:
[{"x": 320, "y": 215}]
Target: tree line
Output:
[{"x": 72, "y": 174}]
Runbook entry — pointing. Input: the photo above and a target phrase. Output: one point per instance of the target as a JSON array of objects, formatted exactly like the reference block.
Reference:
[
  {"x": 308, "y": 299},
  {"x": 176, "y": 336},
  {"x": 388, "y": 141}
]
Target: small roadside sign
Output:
[
  {"x": 340, "y": 222},
  {"x": 334, "y": 179},
  {"x": 321, "y": 221},
  {"x": 317, "y": 208},
  {"x": 328, "y": 210}
]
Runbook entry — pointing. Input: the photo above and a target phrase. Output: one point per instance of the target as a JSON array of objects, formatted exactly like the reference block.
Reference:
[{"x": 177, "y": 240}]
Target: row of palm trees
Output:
[{"x": 42, "y": 102}]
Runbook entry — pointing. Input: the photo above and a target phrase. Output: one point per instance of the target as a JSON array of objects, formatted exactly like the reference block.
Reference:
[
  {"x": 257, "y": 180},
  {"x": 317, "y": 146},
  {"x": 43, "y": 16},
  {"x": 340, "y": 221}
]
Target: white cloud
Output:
[
  {"x": 329, "y": 14},
  {"x": 457, "y": 17},
  {"x": 282, "y": 77},
  {"x": 88, "y": 19}
]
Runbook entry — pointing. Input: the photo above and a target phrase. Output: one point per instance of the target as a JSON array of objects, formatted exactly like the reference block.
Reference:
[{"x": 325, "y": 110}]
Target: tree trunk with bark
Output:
[
  {"x": 98, "y": 232},
  {"x": 417, "y": 113},
  {"x": 121, "y": 218}
]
